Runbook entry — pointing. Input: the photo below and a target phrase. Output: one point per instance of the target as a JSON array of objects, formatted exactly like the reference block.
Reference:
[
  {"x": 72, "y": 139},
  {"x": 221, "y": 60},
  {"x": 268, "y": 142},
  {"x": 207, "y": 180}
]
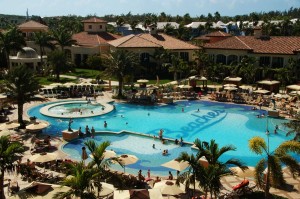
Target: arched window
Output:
[
  {"x": 221, "y": 59},
  {"x": 232, "y": 59}
]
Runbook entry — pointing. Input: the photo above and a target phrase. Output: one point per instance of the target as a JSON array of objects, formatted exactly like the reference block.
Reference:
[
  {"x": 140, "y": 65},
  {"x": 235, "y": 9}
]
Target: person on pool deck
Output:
[
  {"x": 170, "y": 176},
  {"x": 105, "y": 124},
  {"x": 153, "y": 146},
  {"x": 87, "y": 131},
  {"x": 176, "y": 141},
  {"x": 140, "y": 176},
  {"x": 93, "y": 132}
]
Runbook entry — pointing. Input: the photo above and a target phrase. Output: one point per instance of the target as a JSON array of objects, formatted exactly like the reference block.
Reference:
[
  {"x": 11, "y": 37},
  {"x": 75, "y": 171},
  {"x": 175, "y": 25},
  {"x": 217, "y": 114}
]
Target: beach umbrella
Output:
[
  {"x": 43, "y": 157},
  {"x": 127, "y": 159},
  {"x": 294, "y": 87},
  {"x": 203, "y": 161},
  {"x": 250, "y": 172},
  {"x": 37, "y": 126},
  {"x": 9, "y": 125},
  {"x": 106, "y": 189},
  {"x": 261, "y": 91},
  {"x": 68, "y": 84},
  {"x": 169, "y": 187},
  {"x": 5, "y": 132},
  {"x": 138, "y": 194},
  {"x": 176, "y": 165},
  {"x": 229, "y": 85},
  {"x": 230, "y": 88}
]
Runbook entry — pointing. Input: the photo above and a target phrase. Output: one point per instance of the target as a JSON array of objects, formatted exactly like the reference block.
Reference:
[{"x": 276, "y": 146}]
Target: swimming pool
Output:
[{"x": 226, "y": 123}]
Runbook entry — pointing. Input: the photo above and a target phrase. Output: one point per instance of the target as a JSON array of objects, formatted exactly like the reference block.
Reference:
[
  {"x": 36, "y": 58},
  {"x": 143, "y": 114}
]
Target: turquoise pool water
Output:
[{"x": 226, "y": 123}]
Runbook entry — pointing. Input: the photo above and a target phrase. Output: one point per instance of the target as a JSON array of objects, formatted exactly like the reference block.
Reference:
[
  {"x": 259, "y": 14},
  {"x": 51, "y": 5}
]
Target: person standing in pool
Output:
[
  {"x": 105, "y": 124},
  {"x": 93, "y": 132},
  {"x": 87, "y": 130}
]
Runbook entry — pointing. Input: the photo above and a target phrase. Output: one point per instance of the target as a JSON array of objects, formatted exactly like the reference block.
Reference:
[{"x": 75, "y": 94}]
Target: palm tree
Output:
[
  {"x": 120, "y": 63},
  {"x": 11, "y": 40},
  {"x": 9, "y": 152},
  {"x": 63, "y": 38},
  {"x": 98, "y": 158},
  {"x": 273, "y": 161},
  {"x": 217, "y": 169},
  {"x": 43, "y": 40},
  {"x": 120, "y": 22},
  {"x": 59, "y": 62},
  {"x": 79, "y": 181},
  {"x": 21, "y": 84},
  {"x": 209, "y": 177},
  {"x": 294, "y": 127}
]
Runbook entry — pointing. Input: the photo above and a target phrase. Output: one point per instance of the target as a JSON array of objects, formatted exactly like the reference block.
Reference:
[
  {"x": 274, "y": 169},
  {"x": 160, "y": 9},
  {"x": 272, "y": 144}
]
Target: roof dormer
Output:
[{"x": 94, "y": 25}]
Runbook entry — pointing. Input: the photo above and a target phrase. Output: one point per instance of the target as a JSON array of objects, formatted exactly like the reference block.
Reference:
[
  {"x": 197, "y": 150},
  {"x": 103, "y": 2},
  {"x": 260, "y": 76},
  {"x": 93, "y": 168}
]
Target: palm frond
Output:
[{"x": 259, "y": 173}]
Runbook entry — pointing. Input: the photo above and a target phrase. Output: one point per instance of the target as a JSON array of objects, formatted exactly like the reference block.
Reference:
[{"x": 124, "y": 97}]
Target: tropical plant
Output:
[
  {"x": 273, "y": 162},
  {"x": 209, "y": 178},
  {"x": 11, "y": 40},
  {"x": 62, "y": 37},
  {"x": 21, "y": 85},
  {"x": 58, "y": 62},
  {"x": 98, "y": 159},
  {"x": 9, "y": 152},
  {"x": 43, "y": 40},
  {"x": 294, "y": 127},
  {"x": 79, "y": 180},
  {"x": 120, "y": 63}
]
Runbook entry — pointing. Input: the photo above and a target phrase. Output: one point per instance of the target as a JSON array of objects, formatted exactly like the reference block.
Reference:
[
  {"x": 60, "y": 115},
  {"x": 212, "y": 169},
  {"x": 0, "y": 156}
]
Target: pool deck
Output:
[{"x": 227, "y": 181}]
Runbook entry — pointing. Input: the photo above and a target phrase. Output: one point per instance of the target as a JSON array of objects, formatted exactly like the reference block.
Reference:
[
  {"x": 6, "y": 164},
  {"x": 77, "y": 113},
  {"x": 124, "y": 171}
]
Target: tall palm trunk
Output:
[
  {"x": 120, "y": 93},
  {"x": 20, "y": 114},
  {"x": 41, "y": 50}
]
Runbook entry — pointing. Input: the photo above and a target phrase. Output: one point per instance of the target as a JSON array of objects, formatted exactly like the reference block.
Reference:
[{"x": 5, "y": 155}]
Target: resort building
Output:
[
  {"x": 92, "y": 41},
  {"x": 273, "y": 51},
  {"x": 146, "y": 44},
  {"x": 28, "y": 56},
  {"x": 28, "y": 28}
]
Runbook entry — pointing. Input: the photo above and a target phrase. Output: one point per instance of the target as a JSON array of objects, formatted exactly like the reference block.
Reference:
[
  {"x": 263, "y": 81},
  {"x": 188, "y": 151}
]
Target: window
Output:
[
  {"x": 232, "y": 59},
  {"x": 211, "y": 57},
  {"x": 144, "y": 57},
  {"x": 277, "y": 62},
  {"x": 264, "y": 61},
  {"x": 90, "y": 26},
  {"x": 100, "y": 26},
  {"x": 221, "y": 59},
  {"x": 184, "y": 56}
]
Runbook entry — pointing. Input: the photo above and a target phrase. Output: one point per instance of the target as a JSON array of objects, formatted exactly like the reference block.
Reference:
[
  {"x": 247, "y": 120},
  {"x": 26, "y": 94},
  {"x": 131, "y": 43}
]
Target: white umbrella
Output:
[
  {"x": 261, "y": 91},
  {"x": 138, "y": 193},
  {"x": 43, "y": 157},
  {"x": 37, "y": 126},
  {"x": 229, "y": 85},
  {"x": 184, "y": 86},
  {"x": 295, "y": 93},
  {"x": 126, "y": 159},
  {"x": 230, "y": 88},
  {"x": 177, "y": 165},
  {"x": 169, "y": 187},
  {"x": 294, "y": 87},
  {"x": 9, "y": 125},
  {"x": 107, "y": 189},
  {"x": 250, "y": 172}
]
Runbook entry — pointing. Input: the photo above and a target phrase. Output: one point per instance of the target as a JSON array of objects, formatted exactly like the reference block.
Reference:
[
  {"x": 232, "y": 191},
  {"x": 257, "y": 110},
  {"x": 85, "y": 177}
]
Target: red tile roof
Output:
[
  {"x": 147, "y": 40},
  {"x": 94, "y": 20},
  {"x": 90, "y": 39},
  {"x": 274, "y": 45},
  {"x": 32, "y": 24},
  {"x": 218, "y": 34}
]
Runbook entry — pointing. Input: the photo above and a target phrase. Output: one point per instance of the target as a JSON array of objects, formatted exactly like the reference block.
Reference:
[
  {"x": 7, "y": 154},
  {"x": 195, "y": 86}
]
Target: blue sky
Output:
[{"x": 117, "y": 7}]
